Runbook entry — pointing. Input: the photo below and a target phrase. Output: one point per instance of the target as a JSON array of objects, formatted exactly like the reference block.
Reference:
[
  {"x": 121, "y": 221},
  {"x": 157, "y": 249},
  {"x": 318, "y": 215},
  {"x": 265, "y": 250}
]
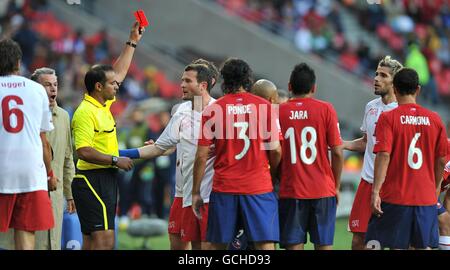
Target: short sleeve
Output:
[
  {"x": 83, "y": 128},
  {"x": 207, "y": 127},
  {"x": 333, "y": 133},
  {"x": 442, "y": 143},
  {"x": 363, "y": 127},
  {"x": 383, "y": 135},
  {"x": 171, "y": 134}
]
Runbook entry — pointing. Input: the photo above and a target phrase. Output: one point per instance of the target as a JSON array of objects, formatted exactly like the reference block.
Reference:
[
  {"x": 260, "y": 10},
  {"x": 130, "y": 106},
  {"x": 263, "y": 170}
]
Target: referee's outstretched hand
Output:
[{"x": 125, "y": 163}]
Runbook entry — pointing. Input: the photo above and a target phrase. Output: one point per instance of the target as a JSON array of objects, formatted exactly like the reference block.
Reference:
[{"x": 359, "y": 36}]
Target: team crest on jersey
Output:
[
  {"x": 171, "y": 225},
  {"x": 236, "y": 243},
  {"x": 373, "y": 111}
]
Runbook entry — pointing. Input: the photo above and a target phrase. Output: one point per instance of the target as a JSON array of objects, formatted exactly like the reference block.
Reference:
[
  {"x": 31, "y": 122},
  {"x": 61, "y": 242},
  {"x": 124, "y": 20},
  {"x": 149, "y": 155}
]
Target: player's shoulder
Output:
[
  {"x": 183, "y": 106},
  {"x": 377, "y": 102},
  {"x": 431, "y": 113},
  {"x": 321, "y": 104},
  {"x": 62, "y": 112},
  {"x": 37, "y": 88},
  {"x": 258, "y": 99}
]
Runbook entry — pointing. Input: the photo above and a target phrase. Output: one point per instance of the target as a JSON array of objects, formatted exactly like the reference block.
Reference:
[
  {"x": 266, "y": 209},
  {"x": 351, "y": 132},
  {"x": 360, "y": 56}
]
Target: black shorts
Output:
[{"x": 95, "y": 196}]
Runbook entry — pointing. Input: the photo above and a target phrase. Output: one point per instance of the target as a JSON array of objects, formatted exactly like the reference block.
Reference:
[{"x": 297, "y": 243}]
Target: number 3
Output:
[
  {"x": 242, "y": 135},
  {"x": 7, "y": 112}
]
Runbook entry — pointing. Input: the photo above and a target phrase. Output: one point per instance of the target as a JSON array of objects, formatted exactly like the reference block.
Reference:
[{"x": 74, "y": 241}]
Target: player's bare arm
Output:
[
  {"x": 337, "y": 163},
  {"x": 446, "y": 202},
  {"x": 199, "y": 171},
  {"x": 381, "y": 165},
  {"x": 91, "y": 155},
  {"x": 151, "y": 151},
  {"x": 274, "y": 158},
  {"x": 52, "y": 180},
  {"x": 357, "y": 145},
  {"x": 124, "y": 60},
  {"x": 439, "y": 166}
]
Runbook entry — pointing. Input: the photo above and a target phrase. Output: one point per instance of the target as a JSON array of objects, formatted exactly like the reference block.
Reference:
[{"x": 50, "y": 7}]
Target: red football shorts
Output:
[
  {"x": 175, "y": 215},
  {"x": 361, "y": 212},
  {"x": 192, "y": 228},
  {"x": 29, "y": 211}
]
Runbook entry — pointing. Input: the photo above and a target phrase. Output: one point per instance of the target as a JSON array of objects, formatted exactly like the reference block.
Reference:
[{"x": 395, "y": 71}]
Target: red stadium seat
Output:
[
  {"x": 384, "y": 32},
  {"x": 443, "y": 83}
]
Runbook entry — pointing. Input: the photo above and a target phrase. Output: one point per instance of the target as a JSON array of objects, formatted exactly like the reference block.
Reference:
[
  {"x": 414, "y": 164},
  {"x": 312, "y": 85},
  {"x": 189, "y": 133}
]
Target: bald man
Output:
[{"x": 266, "y": 89}]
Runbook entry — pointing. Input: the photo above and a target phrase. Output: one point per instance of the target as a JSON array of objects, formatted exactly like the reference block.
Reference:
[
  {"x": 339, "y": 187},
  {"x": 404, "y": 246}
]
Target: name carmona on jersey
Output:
[
  {"x": 415, "y": 120},
  {"x": 298, "y": 115}
]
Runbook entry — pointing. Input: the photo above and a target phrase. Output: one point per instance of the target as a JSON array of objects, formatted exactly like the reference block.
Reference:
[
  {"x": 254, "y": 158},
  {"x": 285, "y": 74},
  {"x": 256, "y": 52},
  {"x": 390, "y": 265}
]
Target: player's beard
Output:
[{"x": 381, "y": 92}]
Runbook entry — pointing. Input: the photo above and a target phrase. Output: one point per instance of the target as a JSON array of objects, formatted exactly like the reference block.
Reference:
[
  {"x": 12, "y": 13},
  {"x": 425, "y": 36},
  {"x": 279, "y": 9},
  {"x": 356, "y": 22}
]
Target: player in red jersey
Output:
[
  {"x": 443, "y": 209},
  {"x": 410, "y": 148},
  {"x": 242, "y": 128},
  {"x": 309, "y": 186}
]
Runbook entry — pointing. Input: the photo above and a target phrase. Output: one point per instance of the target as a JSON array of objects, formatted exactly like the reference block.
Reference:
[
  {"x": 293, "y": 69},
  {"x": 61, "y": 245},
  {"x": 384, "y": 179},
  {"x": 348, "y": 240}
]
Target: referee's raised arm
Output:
[
  {"x": 123, "y": 62},
  {"x": 94, "y": 187}
]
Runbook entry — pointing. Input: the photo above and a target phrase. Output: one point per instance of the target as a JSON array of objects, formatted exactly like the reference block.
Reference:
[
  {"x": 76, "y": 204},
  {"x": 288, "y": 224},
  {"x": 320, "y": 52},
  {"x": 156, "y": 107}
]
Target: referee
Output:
[{"x": 94, "y": 187}]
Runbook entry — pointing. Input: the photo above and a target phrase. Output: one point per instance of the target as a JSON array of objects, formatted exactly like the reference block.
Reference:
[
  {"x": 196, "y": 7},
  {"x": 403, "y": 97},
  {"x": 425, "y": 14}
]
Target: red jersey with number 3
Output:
[
  {"x": 309, "y": 127},
  {"x": 240, "y": 125},
  {"x": 414, "y": 137}
]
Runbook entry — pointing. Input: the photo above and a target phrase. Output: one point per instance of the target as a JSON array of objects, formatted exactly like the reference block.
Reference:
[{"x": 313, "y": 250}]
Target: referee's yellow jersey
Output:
[{"x": 93, "y": 126}]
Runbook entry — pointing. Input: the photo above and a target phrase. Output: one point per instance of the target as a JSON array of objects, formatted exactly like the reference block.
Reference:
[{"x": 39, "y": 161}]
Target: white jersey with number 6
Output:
[{"x": 24, "y": 114}]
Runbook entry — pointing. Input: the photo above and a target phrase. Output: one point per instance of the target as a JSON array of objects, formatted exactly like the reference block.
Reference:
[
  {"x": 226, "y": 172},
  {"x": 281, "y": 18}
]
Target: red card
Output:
[{"x": 140, "y": 17}]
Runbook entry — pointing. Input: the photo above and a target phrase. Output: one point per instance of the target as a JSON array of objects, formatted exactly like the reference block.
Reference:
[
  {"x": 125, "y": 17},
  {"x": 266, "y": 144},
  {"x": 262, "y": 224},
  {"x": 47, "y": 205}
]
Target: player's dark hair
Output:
[
  {"x": 95, "y": 74},
  {"x": 236, "y": 73},
  {"x": 212, "y": 68},
  {"x": 406, "y": 81},
  {"x": 203, "y": 73},
  {"x": 302, "y": 79},
  {"x": 10, "y": 55}
]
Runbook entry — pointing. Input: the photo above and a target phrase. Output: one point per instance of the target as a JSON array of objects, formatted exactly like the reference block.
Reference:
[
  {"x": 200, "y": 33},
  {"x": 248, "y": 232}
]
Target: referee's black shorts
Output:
[{"x": 95, "y": 196}]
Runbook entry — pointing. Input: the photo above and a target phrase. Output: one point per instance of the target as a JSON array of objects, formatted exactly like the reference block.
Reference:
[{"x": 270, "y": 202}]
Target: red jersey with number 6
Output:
[
  {"x": 24, "y": 114},
  {"x": 414, "y": 137},
  {"x": 309, "y": 126},
  {"x": 241, "y": 126}
]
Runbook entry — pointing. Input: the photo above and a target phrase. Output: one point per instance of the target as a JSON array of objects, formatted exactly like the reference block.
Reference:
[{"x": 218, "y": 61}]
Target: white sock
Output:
[{"x": 444, "y": 242}]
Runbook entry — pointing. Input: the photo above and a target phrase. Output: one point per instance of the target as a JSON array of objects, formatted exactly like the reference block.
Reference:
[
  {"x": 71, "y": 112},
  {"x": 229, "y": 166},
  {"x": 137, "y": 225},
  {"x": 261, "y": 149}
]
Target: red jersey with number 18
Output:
[
  {"x": 414, "y": 137},
  {"x": 239, "y": 125},
  {"x": 309, "y": 126}
]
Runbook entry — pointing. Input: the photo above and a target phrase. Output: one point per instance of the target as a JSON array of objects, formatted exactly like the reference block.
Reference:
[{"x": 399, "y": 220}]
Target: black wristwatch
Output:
[{"x": 114, "y": 160}]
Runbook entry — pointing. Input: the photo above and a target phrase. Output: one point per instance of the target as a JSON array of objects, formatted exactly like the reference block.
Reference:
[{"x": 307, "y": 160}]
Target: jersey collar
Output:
[{"x": 93, "y": 101}]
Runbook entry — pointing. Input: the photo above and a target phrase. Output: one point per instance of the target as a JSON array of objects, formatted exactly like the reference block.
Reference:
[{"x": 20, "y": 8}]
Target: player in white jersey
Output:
[
  {"x": 181, "y": 132},
  {"x": 25, "y": 153},
  {"x": 383, "y": 85}
]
